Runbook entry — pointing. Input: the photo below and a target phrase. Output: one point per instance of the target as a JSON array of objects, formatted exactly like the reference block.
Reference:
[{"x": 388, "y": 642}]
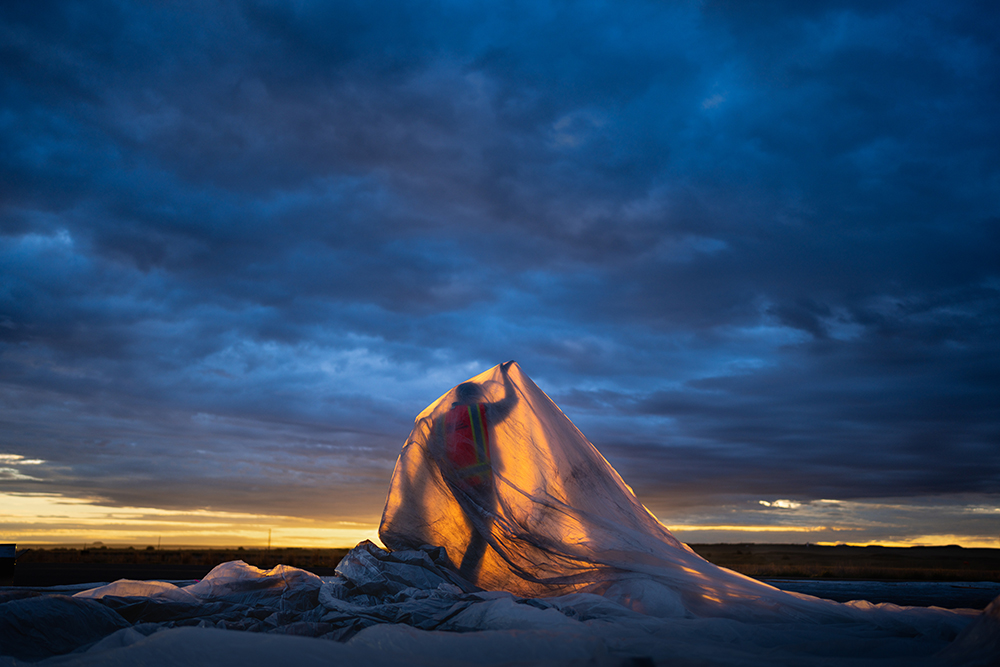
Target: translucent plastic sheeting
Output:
[
  {"x": 551, "y": 516},
  {"x": 410, "y": 607}
]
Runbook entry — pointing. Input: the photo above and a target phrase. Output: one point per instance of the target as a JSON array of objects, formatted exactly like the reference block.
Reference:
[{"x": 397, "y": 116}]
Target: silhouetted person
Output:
[{"x": 465, "y": 434}]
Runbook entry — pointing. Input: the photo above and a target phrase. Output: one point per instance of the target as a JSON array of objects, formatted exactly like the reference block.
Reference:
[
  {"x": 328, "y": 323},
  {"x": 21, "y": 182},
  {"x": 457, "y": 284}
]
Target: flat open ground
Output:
[
  {"x": 801, "y": 561},
  {"x": 62, "y": 566}
]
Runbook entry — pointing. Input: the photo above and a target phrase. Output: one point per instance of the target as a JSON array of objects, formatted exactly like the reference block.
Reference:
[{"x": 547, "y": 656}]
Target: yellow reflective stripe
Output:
[{"x": 478, "y": 424}]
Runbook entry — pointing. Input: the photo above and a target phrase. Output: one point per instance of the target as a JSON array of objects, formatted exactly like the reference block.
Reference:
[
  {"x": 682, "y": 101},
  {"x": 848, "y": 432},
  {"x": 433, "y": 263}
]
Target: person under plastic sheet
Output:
[
  {"x": 460, "y": 441},
  {"x": 550, "y": 516},
  {"x": 538, "y": 512}
]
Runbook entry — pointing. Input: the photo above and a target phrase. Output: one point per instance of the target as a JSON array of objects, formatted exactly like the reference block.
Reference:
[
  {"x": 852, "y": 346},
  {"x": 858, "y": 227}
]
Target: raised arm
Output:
[{"x": 499, "y": 411}]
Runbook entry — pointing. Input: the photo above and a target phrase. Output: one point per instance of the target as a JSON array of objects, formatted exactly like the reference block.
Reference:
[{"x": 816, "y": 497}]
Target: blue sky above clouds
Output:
[{"x": 752, "y": 251}]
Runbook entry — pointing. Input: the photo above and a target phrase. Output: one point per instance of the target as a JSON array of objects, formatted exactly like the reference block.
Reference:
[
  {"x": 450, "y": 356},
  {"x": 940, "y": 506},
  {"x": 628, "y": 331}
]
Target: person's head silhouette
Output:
[{"x": 469, "y": 393}]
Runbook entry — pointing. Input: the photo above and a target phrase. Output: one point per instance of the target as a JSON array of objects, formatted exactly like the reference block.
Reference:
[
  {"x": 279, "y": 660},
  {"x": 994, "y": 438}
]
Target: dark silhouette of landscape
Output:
[{"x": 54, "y": 566}]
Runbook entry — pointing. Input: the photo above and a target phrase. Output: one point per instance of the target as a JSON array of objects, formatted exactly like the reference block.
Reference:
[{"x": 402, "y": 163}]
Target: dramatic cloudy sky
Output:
[{"x": 752, "y": 251}]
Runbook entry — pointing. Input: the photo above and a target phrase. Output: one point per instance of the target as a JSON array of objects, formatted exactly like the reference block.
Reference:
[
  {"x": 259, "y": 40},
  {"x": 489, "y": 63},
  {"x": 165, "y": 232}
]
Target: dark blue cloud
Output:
[{"x": 751, "y": 250}]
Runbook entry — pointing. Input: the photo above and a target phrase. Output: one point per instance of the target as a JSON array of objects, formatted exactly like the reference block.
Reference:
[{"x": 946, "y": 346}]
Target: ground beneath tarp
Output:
[
  {"x": 947, "y": 594},
  {"x": 409, "y": 607}
]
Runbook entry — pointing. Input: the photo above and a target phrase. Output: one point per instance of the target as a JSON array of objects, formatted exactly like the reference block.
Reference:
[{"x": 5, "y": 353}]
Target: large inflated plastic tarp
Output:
[{"x": 557, "y": 517}]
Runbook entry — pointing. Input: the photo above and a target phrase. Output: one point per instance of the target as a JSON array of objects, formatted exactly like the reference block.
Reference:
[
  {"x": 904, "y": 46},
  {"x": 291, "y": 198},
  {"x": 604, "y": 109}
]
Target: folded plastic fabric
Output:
[
  {"x": 38, "y": 626},
  {"x": 408, "y": 607}
]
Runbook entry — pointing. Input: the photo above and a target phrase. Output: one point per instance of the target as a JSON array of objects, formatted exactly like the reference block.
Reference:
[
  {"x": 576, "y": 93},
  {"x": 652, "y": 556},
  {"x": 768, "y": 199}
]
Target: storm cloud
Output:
[{"x": 753, "y": 252}]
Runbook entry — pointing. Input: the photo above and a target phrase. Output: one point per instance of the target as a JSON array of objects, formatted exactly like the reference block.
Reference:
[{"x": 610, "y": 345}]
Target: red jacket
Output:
[{"x": 466, "y": 437}]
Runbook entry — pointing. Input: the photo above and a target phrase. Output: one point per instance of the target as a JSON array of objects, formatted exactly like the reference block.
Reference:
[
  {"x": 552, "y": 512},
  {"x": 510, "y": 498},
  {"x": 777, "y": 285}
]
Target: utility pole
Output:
[{"x": 269, "y": 540}]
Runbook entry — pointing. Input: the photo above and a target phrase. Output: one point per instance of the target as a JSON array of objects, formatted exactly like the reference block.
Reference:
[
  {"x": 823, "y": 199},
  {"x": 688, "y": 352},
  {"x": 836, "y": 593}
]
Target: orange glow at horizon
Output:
[
  {"x": 923, "y": 541},
  {"x": 755, "y": 529},
  {"x": 53, "y": 520}
]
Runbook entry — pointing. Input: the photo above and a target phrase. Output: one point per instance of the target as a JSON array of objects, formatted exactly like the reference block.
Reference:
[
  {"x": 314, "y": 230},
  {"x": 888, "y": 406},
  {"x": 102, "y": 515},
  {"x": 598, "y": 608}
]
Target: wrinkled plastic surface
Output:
[
  {"x": 409, "y": 608},
  {"x": 38, "y": 626},
  {"x": 559, "y": 519}
]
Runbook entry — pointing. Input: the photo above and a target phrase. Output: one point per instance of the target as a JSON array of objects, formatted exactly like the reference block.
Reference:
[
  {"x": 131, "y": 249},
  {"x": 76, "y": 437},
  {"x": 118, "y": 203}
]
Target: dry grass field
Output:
[
  {"x": 800, "y": 561},
  {"x": 64, "y": 566},
  {"x": 60, "y": 566}
]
